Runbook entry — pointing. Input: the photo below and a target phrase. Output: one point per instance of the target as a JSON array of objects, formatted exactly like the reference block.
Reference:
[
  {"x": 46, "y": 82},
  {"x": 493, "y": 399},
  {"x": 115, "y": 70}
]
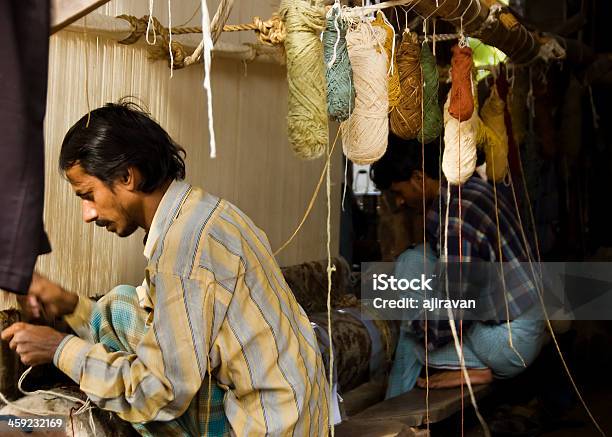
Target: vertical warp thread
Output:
[
  {"x": 365, "y": 133},
  {"x": 406, "y": 117},
  {"x": 394, "y": 90},
  {"x": 307, "y": 117},
  {"x": 494, "y": 136},
  {"x": 432, "y": 114},
  {"x": 339, "y": 74},
  {"x": 462, "y": 101}
]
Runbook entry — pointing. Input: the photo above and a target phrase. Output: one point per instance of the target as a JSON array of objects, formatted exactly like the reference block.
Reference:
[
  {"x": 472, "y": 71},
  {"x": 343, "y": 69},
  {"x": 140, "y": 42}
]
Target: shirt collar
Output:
[{"x": 175, "y": 191}]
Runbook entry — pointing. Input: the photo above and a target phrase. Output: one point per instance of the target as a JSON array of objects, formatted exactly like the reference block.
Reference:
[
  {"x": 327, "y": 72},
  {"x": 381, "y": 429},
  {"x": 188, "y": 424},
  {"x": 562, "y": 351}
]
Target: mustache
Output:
[{"x": 102, "y": 223}]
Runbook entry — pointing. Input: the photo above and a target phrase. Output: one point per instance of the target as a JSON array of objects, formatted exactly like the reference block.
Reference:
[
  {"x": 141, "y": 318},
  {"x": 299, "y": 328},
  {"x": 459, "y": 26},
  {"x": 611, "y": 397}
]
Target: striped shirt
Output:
[
  {"x": 218, "y": 305},
  {"x": 472, "y": 237}
]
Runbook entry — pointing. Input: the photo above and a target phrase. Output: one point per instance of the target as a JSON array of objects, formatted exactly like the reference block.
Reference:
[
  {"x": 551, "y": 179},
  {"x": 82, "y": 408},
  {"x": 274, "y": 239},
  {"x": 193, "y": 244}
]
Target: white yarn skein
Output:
[
  {"x": 365, "y": 134},
  {"x": 459, "y": 137}
]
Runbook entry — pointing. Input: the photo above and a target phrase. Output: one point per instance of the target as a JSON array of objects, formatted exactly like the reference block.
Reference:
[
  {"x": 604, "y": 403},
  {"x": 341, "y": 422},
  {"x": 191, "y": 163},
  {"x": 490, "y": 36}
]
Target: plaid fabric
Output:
[
  {"x": 476, "y": 233},
  {"x": 118, "y": 322}
]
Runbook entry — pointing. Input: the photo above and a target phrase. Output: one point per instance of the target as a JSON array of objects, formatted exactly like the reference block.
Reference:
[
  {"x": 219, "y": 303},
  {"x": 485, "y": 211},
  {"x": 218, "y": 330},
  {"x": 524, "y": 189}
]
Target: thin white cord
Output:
[
  {"x": 208, "y": 46},
  {"x": 149, "y": 27},
  {"x": 86, "y": 406},
  {"x": 170, "y": 39}
]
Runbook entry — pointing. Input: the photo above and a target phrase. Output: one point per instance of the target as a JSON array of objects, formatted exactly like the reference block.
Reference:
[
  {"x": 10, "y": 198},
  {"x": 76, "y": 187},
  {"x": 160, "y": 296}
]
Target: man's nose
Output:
[{"x": 89, "y": 212}]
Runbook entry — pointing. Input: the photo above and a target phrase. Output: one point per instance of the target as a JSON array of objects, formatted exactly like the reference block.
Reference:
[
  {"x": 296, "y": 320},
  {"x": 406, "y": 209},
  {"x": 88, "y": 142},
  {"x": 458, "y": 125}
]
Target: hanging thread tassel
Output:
[
  {"x": 394, "y": 79},
  {"x": 462, "y": 99},
  {"x": 406, "y": 117},
  {"x": 365, "y": 133},
  {"x": 339, "y": 73},
  {"x": 432, "y": 114},
  {"x": 307, "y": 118},
  {"x": 495, "y": 136},
  {"x": 460, "y": 139}
]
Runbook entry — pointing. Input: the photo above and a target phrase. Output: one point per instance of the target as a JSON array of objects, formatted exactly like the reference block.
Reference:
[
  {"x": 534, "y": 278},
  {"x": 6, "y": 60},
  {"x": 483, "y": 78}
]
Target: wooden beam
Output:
[
  {"x": 505, "y": 32},
  {"x": 65, "y": 12}
]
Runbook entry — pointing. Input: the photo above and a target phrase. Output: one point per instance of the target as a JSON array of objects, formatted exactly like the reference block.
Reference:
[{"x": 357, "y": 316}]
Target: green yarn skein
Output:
[
  {"x": 339, "y": 76},
  {"x": 432, "y": 114}
]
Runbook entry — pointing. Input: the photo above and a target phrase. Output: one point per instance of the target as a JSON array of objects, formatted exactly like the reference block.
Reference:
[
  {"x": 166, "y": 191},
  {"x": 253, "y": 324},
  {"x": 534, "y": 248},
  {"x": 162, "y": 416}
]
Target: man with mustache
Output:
[{"x": 214, "y": 341}]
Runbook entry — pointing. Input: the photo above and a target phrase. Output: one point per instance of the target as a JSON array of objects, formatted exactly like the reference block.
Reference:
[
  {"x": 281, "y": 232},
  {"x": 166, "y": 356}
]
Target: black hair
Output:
[
  {"x": 402, "y": 159},
  {"x": 118, "y": 136}
]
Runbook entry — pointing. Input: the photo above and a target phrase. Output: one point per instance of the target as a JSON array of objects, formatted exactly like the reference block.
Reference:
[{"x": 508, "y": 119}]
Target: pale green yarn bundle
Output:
[
  {"x": 432, "y": 114},
  {"x": 339, "y": 74},
  {"x": 307, "y": 119}
]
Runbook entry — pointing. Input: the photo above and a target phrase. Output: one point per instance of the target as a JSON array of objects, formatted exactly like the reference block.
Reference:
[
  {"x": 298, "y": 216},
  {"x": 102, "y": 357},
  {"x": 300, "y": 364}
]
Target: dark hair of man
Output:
[
  {"x": 402, "y": 159},
  {"x": 119, "y": 136}
]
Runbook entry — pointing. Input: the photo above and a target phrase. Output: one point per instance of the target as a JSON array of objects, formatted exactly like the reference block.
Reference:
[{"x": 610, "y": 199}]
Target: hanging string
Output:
[
  {"x": 431, "y": 124},
  {"x": 207, "y": 50},
  {"x": 462, "y": 101},
  {"x": 170, "y": 39},
  {"x": 86, "y": 72},
  {"x": 338, "y": 74},
  {"x": 330, "y": 269},
  {"x": 460, "y": 140},
  {"x": 405, "y": 119},
  {"x": 85, "y": 406},
  {"x": 393, "y": 79},
  {"x": 424, "y": 205},
  {"x": 150, "y": 26},
  {"x": 365, "y": 133},
  {"x": 307, "y": 118},
  {"x": 494, "y": 136}
]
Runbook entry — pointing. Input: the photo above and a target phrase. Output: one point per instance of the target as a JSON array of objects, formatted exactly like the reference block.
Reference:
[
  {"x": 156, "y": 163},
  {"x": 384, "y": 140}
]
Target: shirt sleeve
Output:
[
  {"x": 80, "y": 318},
  {"x": 158, "y": 380}
]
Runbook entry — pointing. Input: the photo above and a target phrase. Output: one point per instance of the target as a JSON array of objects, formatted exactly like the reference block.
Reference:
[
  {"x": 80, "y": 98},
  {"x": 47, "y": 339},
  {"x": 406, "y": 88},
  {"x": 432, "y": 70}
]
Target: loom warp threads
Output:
[
  {"x": 460, "y": 142},
  {"x": 405, "y": 119},
  {"x": 394, "y": 79},
  {"x": 365, "y": 133},
  {"x": 495, "y": 136},
  {"x": 462, "y": 100},
  {"x": 339, "y": 74},
  {"x": 432, "y": 114},
  {"x": 307, "y": 118}
]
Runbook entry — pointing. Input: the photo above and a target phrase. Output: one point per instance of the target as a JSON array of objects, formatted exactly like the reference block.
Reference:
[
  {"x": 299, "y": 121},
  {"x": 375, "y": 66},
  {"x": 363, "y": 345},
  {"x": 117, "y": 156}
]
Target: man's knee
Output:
[{"x": 121, "y": 293}]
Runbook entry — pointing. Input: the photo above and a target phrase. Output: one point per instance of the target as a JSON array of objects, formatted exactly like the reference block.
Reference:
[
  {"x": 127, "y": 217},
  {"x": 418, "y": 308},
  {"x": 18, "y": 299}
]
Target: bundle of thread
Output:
[
  {"x": 365, "y": 133},
  {"x": 406, "y": 117},
  {"x": 432, "y": 114},
  {"x": 513, "y": 125},
  {"x": 339, "y": 74},
  {"x": 307, "y": 119},
  {"x": 394, "y": 79},
  {"x": 462, "y": 98},
  {"x": 460, "y": 143},
  {"x": 495, "y": 141}
]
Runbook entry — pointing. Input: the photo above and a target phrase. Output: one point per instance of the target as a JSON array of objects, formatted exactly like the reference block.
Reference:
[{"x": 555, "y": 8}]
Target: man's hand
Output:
[
  {"x": 34, "y": 344},
  {"x": 47, "y": 298}
]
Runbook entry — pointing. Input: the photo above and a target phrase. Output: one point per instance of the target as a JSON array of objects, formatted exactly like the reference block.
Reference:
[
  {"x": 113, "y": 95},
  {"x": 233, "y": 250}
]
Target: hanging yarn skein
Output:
[
  {"x": 462, "y": 99},
  {"x": 460, "y": 142},
  {"x": 307, "y": 119},
  {"x": 406, "y": 117},
  {"x": 432, "y": 114},
  {"x": 339, "y": 74},
  {"x": 394, "y": 79},
  {"x": 365, "y": 133},
  {"x": 495, "y": 136}
]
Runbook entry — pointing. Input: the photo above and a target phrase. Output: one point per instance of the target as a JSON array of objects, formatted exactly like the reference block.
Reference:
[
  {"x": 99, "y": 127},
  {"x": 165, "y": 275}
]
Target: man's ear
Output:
[{"x": 131, "y": 179}]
